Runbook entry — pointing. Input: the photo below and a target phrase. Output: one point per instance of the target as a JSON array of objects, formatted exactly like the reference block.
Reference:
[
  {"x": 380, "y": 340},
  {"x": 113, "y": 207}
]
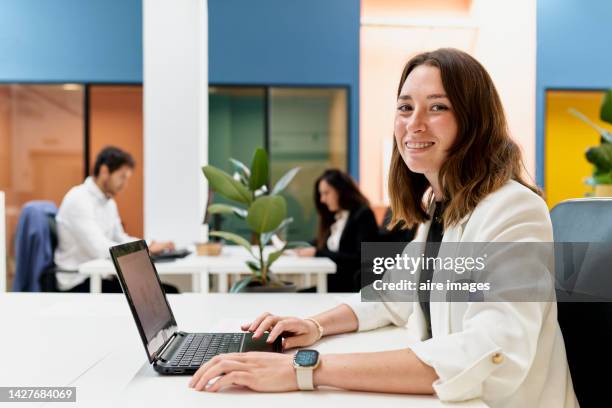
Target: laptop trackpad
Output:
[{"x": 251, "y": 344}]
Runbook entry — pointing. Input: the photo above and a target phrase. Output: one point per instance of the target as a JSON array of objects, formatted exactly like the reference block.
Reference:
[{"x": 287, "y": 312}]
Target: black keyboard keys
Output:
[{"x": 199, "y": 348}]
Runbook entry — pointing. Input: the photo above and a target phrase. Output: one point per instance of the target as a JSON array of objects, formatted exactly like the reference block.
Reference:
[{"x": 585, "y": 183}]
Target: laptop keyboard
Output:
[{"x": 198, "y": 348}]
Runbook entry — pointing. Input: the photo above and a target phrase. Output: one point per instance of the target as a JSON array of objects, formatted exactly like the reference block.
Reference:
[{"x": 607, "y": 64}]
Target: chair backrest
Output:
[
  {"x": 48, "y": 279},
  {"x": 583, "y": 220},
  {"x": 52, "y": 231},
  {"x": 586, "y": 326},
  {"x": 33, "y": 245}
]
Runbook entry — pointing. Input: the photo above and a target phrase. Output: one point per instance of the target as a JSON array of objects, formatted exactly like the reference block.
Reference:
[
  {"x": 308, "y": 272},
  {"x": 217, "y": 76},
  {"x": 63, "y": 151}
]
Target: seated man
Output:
[{"x": 88, "y": 222}]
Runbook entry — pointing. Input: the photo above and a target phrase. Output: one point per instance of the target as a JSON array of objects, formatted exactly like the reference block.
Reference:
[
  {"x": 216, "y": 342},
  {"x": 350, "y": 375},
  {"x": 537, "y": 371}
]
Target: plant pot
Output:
[
  {"x": 287, "y": 287},
  {"x": 208, "y": 248},
  {"x": 603, "y": 190}
]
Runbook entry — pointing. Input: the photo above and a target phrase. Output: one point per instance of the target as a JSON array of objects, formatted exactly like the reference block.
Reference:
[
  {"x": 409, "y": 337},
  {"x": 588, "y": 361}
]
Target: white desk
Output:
[
  {"x": 91, "y": 342},
  {"x": 230, "y": 262}
]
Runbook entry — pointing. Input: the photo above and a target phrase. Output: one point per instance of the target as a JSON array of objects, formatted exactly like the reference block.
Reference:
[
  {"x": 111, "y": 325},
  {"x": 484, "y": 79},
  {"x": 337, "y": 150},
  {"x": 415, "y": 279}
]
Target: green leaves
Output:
[
  {"x": 289, "y": 245},
  {"x": 297, "y": 244},
  {"x": 605, "y": 113},
  {"x": 237, "y": 239},
  {"x": 224, "y": 184},
  {"x": 265, "y": 238},
  {"x": 241, "y": 284},
  {"x": 274, "y": 256},
  {"x": 227, "y": 209},
  {"x": 241, "y": 167},
  {"x": 601, "y": 157},
  {"x": 605, "y": 178},
  {"x": 259, "y": 169},
  {"x": 266, "y": 213},
  {"x": 284, "y": 181},
  {"x": 254, "y": 267}
]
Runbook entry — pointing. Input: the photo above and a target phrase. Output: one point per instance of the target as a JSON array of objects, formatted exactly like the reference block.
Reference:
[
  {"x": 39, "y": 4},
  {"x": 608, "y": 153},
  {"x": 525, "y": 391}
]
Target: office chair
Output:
[
  {"x": 48, "y": 280},
  {"x": 33, "y": 247},
  {"x": 586, "y": 323}
]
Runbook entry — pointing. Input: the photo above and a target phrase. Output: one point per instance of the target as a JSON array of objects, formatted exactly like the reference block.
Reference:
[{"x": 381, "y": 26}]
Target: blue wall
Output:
[
  {"x": 573, "y": 51},
  {"x": 70, "y": 41},
  {"x": 288, "y": 42},
  {"x": 273, "y": 42}
]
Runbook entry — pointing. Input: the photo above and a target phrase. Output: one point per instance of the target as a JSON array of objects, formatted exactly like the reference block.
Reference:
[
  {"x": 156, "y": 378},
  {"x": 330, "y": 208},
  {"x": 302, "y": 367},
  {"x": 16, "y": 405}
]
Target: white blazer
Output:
[{"x": 509, "y": 354}]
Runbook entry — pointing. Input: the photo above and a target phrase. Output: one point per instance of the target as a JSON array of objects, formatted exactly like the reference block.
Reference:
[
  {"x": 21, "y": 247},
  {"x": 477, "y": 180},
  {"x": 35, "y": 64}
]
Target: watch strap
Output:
[{"x": 304, "y": 377}]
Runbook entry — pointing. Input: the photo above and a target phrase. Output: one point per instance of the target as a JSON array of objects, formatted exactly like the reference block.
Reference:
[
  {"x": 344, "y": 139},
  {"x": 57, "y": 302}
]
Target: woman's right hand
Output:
[{"x": 296, "y": 332}]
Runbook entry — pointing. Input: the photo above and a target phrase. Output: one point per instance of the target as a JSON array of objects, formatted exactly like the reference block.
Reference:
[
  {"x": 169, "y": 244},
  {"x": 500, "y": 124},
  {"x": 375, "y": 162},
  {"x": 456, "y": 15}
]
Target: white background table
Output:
[
  {"x": 230, "y": 262},
  {"x": 91, "y": 342}
]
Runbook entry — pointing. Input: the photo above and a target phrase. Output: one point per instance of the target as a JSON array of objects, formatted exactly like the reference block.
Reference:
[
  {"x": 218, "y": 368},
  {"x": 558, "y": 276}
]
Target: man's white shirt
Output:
[{"x": 88, "y": 223}]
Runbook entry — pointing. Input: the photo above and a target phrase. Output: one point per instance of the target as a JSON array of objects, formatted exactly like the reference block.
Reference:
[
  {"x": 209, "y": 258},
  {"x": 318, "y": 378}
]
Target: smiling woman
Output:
[
  {"x": 456, "y": 175},
  {"x": 449, "y": 118},
  {"x": 425, "y": 126}
]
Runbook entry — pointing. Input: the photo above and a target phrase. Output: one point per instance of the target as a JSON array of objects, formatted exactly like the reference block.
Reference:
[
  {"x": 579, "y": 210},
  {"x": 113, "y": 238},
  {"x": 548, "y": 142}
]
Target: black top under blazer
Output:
[{"x": 360, "y": 227}]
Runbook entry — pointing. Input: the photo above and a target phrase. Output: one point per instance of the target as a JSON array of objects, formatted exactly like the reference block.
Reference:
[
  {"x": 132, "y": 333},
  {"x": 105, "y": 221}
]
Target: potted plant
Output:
[
  {"x": 600, "y": 156},
  {"x": 265, "y": 214}
]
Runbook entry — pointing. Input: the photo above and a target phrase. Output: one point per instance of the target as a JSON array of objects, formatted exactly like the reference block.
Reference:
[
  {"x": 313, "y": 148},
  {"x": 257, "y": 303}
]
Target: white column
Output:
[
  {"x": 507, "y": 38},
  {"x": 2, "y": 244},
  {"x": 175, "y": 79}
]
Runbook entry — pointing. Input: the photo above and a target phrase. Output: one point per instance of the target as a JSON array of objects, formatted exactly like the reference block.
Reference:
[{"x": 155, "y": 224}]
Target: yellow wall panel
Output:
[{"x": 566, "y": 139}]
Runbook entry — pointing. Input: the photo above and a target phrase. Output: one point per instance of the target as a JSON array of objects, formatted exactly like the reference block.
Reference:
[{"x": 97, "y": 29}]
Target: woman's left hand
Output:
[{"x": 264, "y": 372}]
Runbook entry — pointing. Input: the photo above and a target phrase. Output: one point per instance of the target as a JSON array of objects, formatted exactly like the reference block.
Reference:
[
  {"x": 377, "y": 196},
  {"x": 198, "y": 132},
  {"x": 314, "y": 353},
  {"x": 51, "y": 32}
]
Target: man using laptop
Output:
[{"x": 88, "y": 222}]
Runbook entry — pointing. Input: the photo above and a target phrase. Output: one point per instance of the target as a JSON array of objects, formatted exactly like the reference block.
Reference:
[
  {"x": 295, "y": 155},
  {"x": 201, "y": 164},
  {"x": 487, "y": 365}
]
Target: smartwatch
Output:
[{"x": 304, "y": 362}]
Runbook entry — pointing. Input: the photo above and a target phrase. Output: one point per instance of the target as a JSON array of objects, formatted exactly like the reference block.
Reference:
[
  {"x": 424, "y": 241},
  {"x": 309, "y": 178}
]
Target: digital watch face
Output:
[{"x": 306, "y": 358}]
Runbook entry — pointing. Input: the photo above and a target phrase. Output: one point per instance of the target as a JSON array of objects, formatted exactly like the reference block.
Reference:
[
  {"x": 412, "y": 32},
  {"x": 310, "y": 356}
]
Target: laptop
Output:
[
  {"x": 169, "y": 255},
  {"x": 170, "y": 350}
]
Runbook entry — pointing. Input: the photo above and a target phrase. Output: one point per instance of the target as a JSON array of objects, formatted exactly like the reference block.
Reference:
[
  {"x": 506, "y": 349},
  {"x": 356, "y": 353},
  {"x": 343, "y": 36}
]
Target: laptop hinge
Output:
[{"x": 160, "y": 352}]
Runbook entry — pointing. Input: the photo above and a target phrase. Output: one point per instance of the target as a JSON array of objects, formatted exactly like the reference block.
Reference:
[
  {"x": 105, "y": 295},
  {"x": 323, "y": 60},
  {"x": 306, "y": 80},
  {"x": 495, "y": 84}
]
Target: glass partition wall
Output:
[
  {"x": 236, "y": 127},
  {"x": 51, "y": 133},
  {"x": 309, "y": 129},
  {"x": 41, "y": 148},
  {"x": 304, "y": 127}
]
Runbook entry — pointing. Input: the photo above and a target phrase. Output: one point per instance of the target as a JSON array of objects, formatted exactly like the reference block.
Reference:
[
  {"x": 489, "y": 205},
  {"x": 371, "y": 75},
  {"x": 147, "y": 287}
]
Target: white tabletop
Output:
[
  {"x": 91, "y": 342},
  {"x": 231, "y": 261}
]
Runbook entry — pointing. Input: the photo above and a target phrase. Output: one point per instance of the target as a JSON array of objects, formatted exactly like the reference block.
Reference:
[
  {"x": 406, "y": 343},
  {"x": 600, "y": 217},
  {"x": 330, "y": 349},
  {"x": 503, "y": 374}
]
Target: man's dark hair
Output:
[{"x": 114, "y": 158}]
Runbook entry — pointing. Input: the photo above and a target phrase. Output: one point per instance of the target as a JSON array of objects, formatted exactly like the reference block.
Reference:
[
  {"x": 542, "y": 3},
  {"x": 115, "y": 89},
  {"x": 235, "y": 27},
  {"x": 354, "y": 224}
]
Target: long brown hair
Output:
[
  {"x": 349, "y": 198},
  {"x": 483, "y": 157}
]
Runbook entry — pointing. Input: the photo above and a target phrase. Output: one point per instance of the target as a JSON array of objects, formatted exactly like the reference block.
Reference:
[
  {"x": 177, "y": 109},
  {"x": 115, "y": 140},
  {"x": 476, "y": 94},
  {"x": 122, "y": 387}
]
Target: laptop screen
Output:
[{"x": 145, "y": 295}]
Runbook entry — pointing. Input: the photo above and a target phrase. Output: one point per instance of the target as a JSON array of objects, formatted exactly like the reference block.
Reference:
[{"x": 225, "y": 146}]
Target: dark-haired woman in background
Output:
[{"x": 345, "y": 221}]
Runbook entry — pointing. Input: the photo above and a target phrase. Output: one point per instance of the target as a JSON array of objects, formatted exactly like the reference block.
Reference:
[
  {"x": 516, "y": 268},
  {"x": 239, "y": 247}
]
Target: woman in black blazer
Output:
[{"x": 345, "y": 221}]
